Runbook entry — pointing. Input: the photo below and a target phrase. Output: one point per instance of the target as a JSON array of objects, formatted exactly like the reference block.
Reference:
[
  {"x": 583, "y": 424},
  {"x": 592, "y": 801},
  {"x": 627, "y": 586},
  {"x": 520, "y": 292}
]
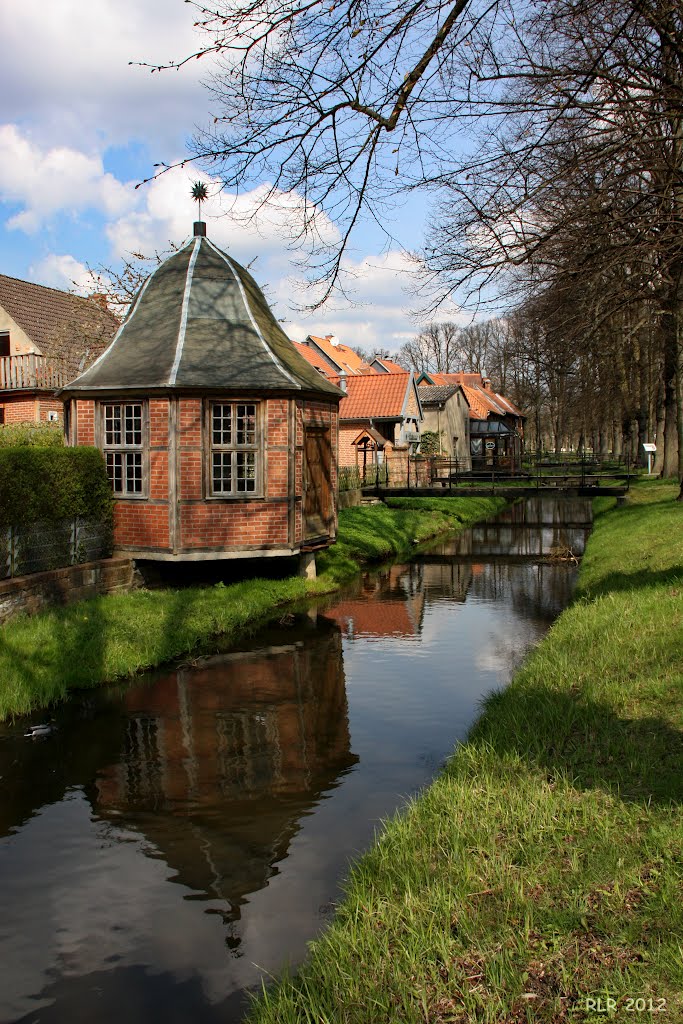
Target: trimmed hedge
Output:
[
  {"x": 45, "y": 485},
  {"x": 44, "y": 435}
]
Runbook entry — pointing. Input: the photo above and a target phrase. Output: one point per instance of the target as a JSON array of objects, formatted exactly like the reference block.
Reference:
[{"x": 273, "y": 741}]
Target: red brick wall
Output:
[
  {"x": 141, "y": 524},
  {"x": 19, "y": 410},
  {"x": 48, "y": 404},
  {"x": 214, "y": 524},
  {"x": 236, "y": 526},
  {"x": 85, "y": 422},
  {"x": 31, "y": 408},
  {"x": 347, "y": 452}
]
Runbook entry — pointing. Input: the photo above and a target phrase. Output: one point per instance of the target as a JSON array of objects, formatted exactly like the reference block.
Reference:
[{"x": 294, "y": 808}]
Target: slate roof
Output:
[
  {"x": 375, "y": 396},
  {"x": 436, "y": 394},
  {"x": 200, "y": 321},
  {"x": 62, "y": 326}
]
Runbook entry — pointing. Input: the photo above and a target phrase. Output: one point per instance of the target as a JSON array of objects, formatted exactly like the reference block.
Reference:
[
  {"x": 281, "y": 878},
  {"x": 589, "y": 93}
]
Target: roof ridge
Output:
[{"x": 48, "y": 288}]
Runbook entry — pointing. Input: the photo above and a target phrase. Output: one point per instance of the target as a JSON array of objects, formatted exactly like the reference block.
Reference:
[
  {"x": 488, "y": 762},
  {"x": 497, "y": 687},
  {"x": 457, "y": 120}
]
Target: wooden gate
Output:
[{"x": 318, "y": 507}]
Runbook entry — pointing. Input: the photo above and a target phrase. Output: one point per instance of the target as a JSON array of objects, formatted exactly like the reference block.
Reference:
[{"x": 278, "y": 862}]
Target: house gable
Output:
[
  {"x": 54, "y": 323},
  {"x": 19, "y": 341}
]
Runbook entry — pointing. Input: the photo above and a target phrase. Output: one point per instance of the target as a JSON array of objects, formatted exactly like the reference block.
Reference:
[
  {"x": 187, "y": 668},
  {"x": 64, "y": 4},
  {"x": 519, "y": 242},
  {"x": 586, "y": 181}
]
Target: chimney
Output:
[
  {"x": 342, "y": 380},
  {"x": 100, "y": 299},
  {"x": 199, "y": 229}
]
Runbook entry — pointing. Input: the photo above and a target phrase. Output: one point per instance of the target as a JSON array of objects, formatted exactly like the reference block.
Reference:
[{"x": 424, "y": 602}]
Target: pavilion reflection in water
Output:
[
  {"x": 222, "y": 760},
  {"x": 385, "y": 603}
]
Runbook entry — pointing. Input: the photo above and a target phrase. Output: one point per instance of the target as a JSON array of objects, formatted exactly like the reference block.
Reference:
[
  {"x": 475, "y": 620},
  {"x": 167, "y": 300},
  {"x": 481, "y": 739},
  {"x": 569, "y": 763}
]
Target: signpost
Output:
[{"x": 650, "y": 449}]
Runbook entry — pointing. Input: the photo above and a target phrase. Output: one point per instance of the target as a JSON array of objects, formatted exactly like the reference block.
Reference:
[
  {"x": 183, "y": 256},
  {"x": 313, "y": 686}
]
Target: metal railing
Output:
[
  {"x": 44, "y": 546},
  {"x": 31, "y": 372},
  {"x": 583, "y": 471}
]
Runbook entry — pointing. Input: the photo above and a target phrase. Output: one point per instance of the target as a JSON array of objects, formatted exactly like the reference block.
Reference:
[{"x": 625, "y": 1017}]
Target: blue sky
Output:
[{"x": 80, "y": 127}]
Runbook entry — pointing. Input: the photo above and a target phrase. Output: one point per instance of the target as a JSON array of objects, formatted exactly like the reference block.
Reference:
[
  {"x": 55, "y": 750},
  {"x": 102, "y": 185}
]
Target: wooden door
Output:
[{"x": 318, "y": 508}]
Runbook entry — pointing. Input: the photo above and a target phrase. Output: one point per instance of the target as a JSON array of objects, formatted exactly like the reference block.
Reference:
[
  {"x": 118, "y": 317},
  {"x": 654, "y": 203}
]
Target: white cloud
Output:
[
  {"x": 382, "y": 290},
  {"x": 239, "y": 224},
  {"x": 66, "y": 71},
  {"x": 70, "y": 97},
  {"x": 54, "y": 180},
  {"x": 63, "y": 272}
]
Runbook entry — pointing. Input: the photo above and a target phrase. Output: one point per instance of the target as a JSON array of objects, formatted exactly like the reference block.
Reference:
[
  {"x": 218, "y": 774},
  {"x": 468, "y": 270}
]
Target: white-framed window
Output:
[
  {"x": 234, "y": 456},
  {"x": 123, "y": 431}
]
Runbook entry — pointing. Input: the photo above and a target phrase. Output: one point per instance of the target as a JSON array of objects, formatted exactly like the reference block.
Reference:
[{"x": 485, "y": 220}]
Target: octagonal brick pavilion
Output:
[{"x": 220, "y": 440}]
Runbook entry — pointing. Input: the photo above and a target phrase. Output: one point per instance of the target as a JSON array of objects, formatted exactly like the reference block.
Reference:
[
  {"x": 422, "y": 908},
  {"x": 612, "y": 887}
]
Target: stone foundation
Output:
[{"x": 64, "y": 586}]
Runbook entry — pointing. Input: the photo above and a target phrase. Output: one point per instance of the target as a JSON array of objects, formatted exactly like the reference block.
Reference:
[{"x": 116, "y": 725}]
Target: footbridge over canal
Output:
[
  {"x": 584, "y": 477},
  {"x": 510, "y": 492}
]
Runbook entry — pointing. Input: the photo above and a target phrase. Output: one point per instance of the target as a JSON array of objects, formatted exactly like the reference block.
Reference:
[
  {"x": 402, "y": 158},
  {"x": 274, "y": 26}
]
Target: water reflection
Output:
[
  {"x": 221, "y": 760},
  {"x": 389, "y": 603},
  {"x": 201, "y": 778},
  {"x": 174, "y": 839}
]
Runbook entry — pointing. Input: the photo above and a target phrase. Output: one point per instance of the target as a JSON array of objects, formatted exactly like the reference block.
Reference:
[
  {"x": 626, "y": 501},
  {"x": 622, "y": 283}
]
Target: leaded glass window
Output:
[
  {"x": 122, "y": 444},
  {"x": 234, "y": 465}
]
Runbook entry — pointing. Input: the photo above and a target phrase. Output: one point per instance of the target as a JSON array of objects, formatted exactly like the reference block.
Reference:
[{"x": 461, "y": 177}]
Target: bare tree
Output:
[
  {"x": 581, "y": 187},
  {"x": 579, "y": 106},
  {"x": 347, "y": 103},
  {"x": 435, "y": 349}
]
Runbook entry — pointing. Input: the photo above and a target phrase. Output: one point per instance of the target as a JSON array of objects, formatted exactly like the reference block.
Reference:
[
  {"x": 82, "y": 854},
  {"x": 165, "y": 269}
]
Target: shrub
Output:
[
  {"x": 40, "y": 435},
  {"x": 45, "y": 485},
  {"x": 430, "y": 442}
]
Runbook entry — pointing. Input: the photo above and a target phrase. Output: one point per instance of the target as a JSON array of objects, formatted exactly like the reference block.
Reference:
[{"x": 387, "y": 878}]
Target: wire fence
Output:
[
  {"x": 349, "y": 478},
  {"x": 43, "y": 546}
]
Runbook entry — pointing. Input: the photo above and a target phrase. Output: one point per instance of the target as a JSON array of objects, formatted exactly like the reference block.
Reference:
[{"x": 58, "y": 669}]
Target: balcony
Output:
[{"x": 31, "y": 372}]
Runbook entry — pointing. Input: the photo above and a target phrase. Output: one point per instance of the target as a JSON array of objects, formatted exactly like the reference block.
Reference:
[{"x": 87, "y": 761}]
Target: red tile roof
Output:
[
  {"x": 343, "y": 356},
  {"x": 375, "y": 396},
  {"x": 483, "y": 400},
  {"x": 314, "y": 359},
  {"x": 389, "y": 366},
  {"x": 480, "y": 409}
]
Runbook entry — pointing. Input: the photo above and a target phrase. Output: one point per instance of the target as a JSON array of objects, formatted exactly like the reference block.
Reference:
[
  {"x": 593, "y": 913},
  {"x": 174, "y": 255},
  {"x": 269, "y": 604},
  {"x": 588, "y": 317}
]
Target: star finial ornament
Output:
[{"x": 199, "y": 193}]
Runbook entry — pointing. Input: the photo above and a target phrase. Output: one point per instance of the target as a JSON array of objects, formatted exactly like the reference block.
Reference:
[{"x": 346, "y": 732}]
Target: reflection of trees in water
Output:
[
  {"x": 221, "y": 761},
  {"x": 526, "y": 542},
  {"x": 548, "y": 511},
  {"x": 538, "y": 590},
  {"x": 447, "y": 580}
]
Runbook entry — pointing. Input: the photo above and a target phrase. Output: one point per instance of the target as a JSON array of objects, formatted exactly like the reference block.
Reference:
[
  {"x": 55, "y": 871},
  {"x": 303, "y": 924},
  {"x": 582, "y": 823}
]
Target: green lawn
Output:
[
  {"x": 44, "y": 656},
  {"x": 540, "y": 878}
]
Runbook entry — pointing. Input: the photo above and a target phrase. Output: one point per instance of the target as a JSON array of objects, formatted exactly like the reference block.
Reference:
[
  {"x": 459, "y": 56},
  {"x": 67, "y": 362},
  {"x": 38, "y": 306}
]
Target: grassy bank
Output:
[
  {"x": 540, "y": 878},
  {"x": 44, "y": 656}
]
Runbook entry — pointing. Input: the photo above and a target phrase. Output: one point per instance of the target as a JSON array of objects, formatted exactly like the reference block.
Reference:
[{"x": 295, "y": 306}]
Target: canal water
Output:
[{"x": 172, "y": 843}]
